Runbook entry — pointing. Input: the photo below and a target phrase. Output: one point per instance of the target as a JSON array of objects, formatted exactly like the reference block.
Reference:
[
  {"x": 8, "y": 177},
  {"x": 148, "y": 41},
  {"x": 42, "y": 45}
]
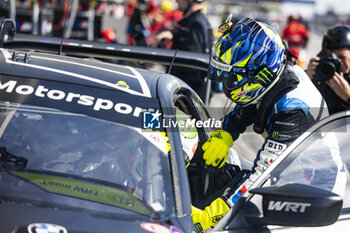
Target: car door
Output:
[
  {"x": 321, "y": 160},
  {"x": 315, "y": 165}
]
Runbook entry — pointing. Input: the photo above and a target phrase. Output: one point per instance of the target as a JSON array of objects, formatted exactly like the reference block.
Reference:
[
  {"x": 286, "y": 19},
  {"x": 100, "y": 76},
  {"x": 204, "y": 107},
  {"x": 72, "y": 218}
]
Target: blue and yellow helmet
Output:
[{"x": 248, "y": 57}]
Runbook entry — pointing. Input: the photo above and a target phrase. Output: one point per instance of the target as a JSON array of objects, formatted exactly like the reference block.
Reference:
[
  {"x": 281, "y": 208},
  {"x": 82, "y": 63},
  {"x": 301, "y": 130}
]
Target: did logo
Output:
[{"x": 152, "y": 120}]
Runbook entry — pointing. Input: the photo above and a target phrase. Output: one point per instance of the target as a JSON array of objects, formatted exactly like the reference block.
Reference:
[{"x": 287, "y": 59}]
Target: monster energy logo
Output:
[
  {"x": 265, "y": 76},
  {"x": 275, "y": 134},
  {"x": 198, "y": 227}
]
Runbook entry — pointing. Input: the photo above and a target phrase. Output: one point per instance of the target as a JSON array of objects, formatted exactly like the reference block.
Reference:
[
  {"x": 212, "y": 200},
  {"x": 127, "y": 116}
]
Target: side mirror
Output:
[{"x": 297, "y": 205}]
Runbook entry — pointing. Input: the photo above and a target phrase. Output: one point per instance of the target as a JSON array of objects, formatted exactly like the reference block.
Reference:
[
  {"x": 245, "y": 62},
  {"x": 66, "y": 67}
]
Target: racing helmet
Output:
[
  {"x": 248, "y": 58},
  {"x": 336, "y": 37},
  {"x": 188, "y": 134}
]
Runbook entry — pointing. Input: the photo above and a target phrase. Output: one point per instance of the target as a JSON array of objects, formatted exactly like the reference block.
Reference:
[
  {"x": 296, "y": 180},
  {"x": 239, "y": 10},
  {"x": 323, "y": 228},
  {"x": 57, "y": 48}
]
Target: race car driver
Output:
[{"x": 272, "y": 94}]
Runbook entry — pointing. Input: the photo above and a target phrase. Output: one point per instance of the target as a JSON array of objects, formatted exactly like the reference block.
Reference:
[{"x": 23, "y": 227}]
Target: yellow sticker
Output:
[{"x": 122, "y": 84}]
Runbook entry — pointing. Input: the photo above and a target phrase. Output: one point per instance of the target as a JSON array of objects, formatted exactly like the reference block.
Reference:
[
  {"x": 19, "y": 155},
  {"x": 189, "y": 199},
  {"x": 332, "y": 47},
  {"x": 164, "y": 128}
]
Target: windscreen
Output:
[{"x": 64, "y": 159}]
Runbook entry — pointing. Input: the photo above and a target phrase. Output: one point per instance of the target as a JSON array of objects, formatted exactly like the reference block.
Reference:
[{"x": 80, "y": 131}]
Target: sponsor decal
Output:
[
  {"x": 198, "y": 227},
  {"x": 286, "y": 206},
  {"x": 155, "y": 228},
  {"x": 122, "y": 84},
  {"x": 90, "y": 191},
  {"x": 265, "y": 76},
  {"x": 274, "y": 146},
  {"x": 42, "y": 91},
  {"x": 217, "y": 135},
  {"x": 285, "y": 123},
  {"x": 239, "y": 95},
  {"x": 45, "y": 228},
  {"x": 157, "y": 138},
  {"x": 104, "y": 104},
  {"x": 221, "y": 66},
  {"x": 275, "y": 134},
  {"x": 216, "y": 219}
]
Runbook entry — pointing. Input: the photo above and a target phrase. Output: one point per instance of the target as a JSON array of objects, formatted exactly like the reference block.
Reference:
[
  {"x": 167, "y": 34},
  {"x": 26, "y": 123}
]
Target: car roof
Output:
[
  {"x": 107, "y": 91},
  {"x": 88, "y": 86},
  {"x": 90, "y": 72}
]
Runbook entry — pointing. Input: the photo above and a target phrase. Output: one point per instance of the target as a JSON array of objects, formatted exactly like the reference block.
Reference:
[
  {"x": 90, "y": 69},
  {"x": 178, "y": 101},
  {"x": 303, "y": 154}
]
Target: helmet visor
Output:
[{"x": 232, "y": 76}]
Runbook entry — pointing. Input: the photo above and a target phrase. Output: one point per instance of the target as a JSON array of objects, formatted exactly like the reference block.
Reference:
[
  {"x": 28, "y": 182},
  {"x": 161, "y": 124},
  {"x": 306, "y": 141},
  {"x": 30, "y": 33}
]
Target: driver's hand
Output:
[
  {"x": 209, "y": 217},
  {"x": 311, "y": 68},
  {"x": 340, "y": 86},
  {"x": 216, "y": 148}
]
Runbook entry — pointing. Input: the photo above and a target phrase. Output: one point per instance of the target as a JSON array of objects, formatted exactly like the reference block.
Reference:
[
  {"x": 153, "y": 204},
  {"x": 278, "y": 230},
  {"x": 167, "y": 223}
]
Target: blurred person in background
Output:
[
  {"x": 192, "y": 33},
  {"x": 171, "y": 15},
  {"x": 140, "y": 13},
  {"x": 296, "y": 35},
  {"x": 330, "y": 69},
  {"x": 165, "y": 19}
]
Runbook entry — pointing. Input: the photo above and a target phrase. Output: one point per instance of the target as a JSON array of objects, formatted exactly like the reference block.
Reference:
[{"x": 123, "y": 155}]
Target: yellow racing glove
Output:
[
  {"x": 209, "y": 217},
  {"x": 216, "y": 148}
]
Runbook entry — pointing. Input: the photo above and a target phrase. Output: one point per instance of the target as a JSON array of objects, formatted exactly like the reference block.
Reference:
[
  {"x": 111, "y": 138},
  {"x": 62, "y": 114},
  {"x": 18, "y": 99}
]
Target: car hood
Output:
[{"x": 30, "y": 219}]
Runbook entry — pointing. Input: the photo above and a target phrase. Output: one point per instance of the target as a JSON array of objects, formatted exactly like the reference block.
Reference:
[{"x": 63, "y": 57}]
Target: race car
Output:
[
  {"x": 92, "y": 146},
  {"x": 82, "y": 147}
]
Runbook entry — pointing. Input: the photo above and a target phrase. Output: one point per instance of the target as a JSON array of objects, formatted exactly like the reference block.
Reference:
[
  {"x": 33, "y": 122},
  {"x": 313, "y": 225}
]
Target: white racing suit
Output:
[{"x": 284, "y": 113}]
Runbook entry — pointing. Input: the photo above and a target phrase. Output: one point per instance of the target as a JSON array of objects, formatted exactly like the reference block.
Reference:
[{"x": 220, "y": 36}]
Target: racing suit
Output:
[
  {"x": 193, "y": 33},
  {"x": 284, "y": 113}
]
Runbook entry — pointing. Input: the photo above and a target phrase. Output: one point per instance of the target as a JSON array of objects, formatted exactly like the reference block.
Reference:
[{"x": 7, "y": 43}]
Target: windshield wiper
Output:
[{"x": 9, "y": 161}]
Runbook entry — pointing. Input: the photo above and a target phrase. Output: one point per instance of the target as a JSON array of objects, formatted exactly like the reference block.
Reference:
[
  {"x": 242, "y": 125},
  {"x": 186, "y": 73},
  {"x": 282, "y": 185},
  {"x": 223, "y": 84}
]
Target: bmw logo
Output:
[{"x": 45, "y": 228}]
